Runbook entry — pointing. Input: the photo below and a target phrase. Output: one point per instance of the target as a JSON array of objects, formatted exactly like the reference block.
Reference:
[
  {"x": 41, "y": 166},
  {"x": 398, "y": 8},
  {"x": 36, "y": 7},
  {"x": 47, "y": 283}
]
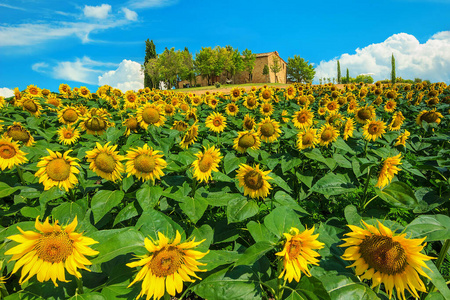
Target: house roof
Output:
[{"x": 270, "y": 53}]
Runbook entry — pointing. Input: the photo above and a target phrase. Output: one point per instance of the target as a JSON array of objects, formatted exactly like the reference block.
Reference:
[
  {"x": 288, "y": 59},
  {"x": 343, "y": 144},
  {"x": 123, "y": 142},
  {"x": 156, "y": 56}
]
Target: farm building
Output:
[{"x": 262, "y": 59}]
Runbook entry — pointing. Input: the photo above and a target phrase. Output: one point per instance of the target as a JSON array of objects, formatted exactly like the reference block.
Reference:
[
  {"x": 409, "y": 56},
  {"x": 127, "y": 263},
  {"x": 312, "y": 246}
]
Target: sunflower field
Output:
[{"x": 304, "y": 192}]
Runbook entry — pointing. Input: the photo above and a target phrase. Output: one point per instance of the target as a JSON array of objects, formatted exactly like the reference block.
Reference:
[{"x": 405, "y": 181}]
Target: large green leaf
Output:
[
  {"x": 6, "y": 190},
  {"x": 316, "y": 155},
  {"x": 67, "y": 211},
  {"x": 260, "y": 233},
  {"x": 353, "y": 290},
  {"x": 280, "y": 221},
  {"x": 399, "y": 194},
  {"x": 127, "y": 213},
  {"x": 231, "y": 162},
  {"x": 309, "y": 288},
  {"x": 216, "y": 258},
  {"x": 434, "y": 227},
  {"x": 239, "y": 209},
  {"x": 194, "y": 207},
  {"x": 282, "y": 198},
  {"x": 148, "y": 196},
  {"x": 254, "y": 252},
  {"x": 333, "y": 184},
  {"x": 238, "y": 283},
  {"x": 437, "y": 279},
  {"x": 103, "y": 201},
  {"x": 123, "y": 242},
  {"x": 352, "y": 216},
  {"x": 89, "y": 296},
  {"x": 151, "y": 222},
  {"x": 280, "y": 182}
]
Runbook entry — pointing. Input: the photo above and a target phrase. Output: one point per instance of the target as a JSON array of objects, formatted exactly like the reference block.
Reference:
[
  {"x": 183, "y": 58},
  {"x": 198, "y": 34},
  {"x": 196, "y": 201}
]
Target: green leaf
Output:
[
  {"x": 231, "y": 162},
  {"x": 352, "y": 216},
  {"x": 353, "y": 290},
  {"x": 127, "y": 182},
  {"x": 281, "y": 198},
  {"x": 66, "y": 212},
  {"x": 260, "y": 233},
  {"x": 316, "y": 155},
  {"x": 103, "y": 201},
  {"x": 148, "y": 196},
  {"x": 113, "y": 134},
  {"x": 194, "y": 208},
  {"x": 204, "y": 232},
  {"x": 254, "y": 252},
  {"x": 333, "y": 184},
  {"x": 88, "y": 296},
  {"x": 434, "y": 227},
  {"x": 280, "y": 182},
  {"x": 399, "y": 194},
  {"x": 342, "y": 161},
  {"x": 238, "y": 283},
  {"x": 437, "y": 279},
  {"x": 126, "y": 213},
  {"x": 281, "y": 219},
  {"x": 6, "y": 190},
  {"x": 151, "y": 222},
  {"x": 123, "y": 242},
  {"x": 30, "y": 212},
  {"x": 239, "y": 209},
  {"x": 216, "y": 258},
  {"x": 342, "y": 145},
  {"x": 309, "y": 288}
]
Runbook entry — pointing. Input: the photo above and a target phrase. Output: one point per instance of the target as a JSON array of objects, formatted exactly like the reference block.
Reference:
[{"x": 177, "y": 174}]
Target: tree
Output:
[
  {"x": 186, "y": 66},
  {"x": 348, "y": 77},
  {"x": 275, "y": 67},
  {"x": 338, "y": 72},
  {"x": 150, "y": 53},
  {"x": 248, "y": 62},
  {"x": 238, "y": 63},
  {"x": 266, "y": 71},
  {"x": 393, "y": 78},
  {"x": 204, "y": 63},
  {"x": 169, "y": 63},
  {"x": 152, "y": 71},
  {"x": 299, "y": 70}
]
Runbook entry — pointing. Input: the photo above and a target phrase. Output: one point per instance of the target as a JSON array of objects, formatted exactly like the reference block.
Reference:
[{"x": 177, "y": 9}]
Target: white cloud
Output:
[
  {"x": 12, "y": 7},
  {"x": 5, "y": 92},
  {"x": 129, "y": 14},
  {"x": 39, "y": 67},
  {"x": 98, "y": 12},
  {"x": 430, "y": 60},
  {"x": 128, "y": 76},
  {"x": 150, "y": 3}
]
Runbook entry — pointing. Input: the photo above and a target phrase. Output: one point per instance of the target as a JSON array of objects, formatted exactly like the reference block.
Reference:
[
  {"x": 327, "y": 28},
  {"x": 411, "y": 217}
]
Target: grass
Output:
[{"x": 228, "y": 86}]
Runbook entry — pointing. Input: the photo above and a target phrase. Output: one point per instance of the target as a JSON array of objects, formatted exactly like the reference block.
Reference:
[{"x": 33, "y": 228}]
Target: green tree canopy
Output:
[
  {"x": 275, "y": 67},
  {"x": 248, "y": 62},
  {"x": 204, "y": 63},
  {"x": 150, "y": 53},
  {"x": 299, "y": 70}
]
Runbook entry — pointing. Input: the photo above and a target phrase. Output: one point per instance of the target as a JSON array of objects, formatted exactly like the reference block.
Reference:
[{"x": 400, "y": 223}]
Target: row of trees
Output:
[{"x": 172, "y": 66}]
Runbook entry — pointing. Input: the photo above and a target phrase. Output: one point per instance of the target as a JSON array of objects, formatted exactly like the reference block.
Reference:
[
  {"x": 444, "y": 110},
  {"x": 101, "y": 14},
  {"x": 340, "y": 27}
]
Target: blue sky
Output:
[{"x": 90, "y": 43}]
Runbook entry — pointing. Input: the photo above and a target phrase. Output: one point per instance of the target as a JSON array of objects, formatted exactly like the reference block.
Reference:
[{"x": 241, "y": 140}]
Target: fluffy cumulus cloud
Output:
[
  {"x": 5, "y": 92},
  {"x": 129, "y": 14},
  {"x": 430, "y": 60},
  {"x": 128, "y": 76},
  {"x": 97, "y": 12}
]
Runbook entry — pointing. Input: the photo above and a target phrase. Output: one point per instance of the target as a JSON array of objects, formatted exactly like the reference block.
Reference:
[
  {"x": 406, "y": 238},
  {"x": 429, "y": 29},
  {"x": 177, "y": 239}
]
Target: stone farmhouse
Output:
[{"x": 262, "y": 59}]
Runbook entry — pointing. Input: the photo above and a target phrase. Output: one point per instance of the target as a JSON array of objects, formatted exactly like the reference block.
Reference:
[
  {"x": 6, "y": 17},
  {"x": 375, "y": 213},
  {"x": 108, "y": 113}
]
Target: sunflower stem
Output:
[
  {"x": 218, "y": 139},
  {"x": 366, "y": 186},
  {"x": 72, "y": 195},
  {"x": 20, "y": 172},
  {"x": 365, "y": 148},
  {"x": 367, "y": 203},
  {"x": 279, "y": 291},
  {"x": 166, "y": 296},
  {"x": 79, "y": 286},
  {"x": 442, "y": 254}
]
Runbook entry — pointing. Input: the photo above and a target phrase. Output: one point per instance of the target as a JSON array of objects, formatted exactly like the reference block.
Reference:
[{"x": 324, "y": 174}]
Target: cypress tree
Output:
[
  {"x": 150, "y": 53},
  {"x": 348, "y": 77},
  {"x": 338, "y": 72},
  {"x": 393, "y": 77}
]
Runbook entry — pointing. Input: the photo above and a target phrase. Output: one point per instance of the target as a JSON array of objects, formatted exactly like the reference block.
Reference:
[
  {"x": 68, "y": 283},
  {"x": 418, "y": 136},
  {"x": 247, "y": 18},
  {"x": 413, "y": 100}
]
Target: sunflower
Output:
[
  {"x": 31, "y": 105},
  {"x": 332, "y": 106},
  {"x": 197, "y": 100},
  {"x": 290, "y": 92},
  {"x": 388, "y": 170},
  {"x": 131, "y": 100},
  {"x": 150, "y": 114},
  {"x": 383, "y": 257},
  {"x": 131, "y": 124},
  {"x": 266, "y": 109},
  {"x": 232, "y": 109},
  {"x": 205, "y": 163},
  {"x": 335, "y": 119},
  {"x": 58, "y": 170},
  {"x": 249, "y": 122},
  {"x": 390, "y": 105},
  {"x": 169, "y": 109},
  {"x": 216, "y": 122},
  {"x": 245, "y": 140},
  {"x": 84, "y": 92},
  {"x": 51, "y": 250},
  {"x": 19, "y": 134},
  {"x": 10, "y": 154},
  {"x": 94, "y": 124},
  {"x": 391, "y": 94},
  {"x": 322, "y": 110},
  {"x": 303, "y": 100},
  {"x": 212, "y": 102},
  {"x": 397, "y": 121},
  {"x": 68, "y": 135},
  {"x": 64, "y": 89},
  {"x": 189, "y": 137},
  {"x": 307, "y": 138},
  {"x": 269, "y": 130},
  {"x": 250, "y": 101},
  {"x": 68, "y": 115},
  {"x": 303, "y": 118},
  {"x": 179, "y": 125},
  {"x": 284, "y": 116},
  {"x": 33, "y": 91},
  {"x": 266, "y": 94},
  {"x": 431, "y": 116},
  {"x": 401, "y": 140},
  {"x": 191, "y": 113},
  {"x": 327, "y": 135},
  {"x": 349, "y": 127},
  {"x": 374, "y": 129},
  {"x": 53, "y": 100},
  {"x": 352, "y": 106},
  {"x": 364, "y": 114},
  {"x": 167, "y": 265},
  {"x": 145, "y": 163},
  {"x": 105, "y": 162},
  {"x": 432, "y": 101},
  {"x": 298, "y": 252},
  {"x": 254, "y": 181},
  {"x": 235, "y": 93}
]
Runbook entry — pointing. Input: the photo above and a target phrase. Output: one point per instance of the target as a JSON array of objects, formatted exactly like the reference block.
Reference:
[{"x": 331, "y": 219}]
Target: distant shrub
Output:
[
  {"x": 364, "y": 78},
  {"x": 217, "y": 84}
]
